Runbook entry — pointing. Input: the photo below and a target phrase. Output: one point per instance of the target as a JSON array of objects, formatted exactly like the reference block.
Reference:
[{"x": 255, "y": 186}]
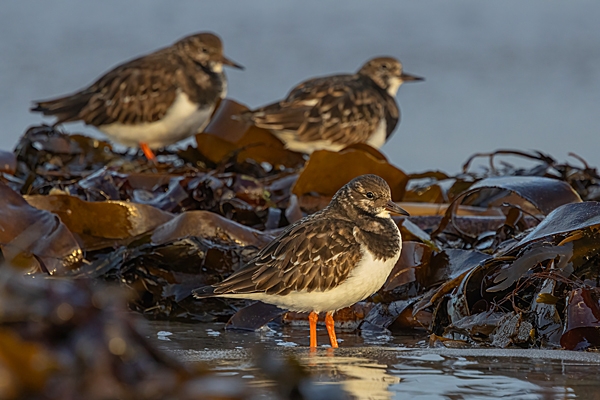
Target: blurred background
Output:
[{"x": 510, "y": 74}]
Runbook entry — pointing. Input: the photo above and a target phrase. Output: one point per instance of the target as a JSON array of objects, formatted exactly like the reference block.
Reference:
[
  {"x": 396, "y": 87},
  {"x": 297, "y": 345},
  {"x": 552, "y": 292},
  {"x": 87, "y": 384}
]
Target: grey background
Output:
[{"x": 505, "y": 74}]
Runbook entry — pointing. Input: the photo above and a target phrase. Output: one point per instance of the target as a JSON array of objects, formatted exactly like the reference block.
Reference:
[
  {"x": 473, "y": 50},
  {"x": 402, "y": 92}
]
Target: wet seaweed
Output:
[
  {"x": 493, "y": 256},
  {"x": 75, "y": 339}
]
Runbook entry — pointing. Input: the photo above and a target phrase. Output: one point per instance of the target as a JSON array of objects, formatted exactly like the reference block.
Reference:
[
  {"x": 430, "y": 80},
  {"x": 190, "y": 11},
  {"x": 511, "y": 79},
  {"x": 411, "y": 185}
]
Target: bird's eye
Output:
[
  {"x": 384, "y": 66},
  {"x": 204, "y": 50},
  {"x": 370, "y": 195}
]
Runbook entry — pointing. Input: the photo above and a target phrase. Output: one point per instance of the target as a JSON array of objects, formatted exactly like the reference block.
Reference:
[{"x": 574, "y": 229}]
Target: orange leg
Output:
[
  {"x": 313, "y": 317},
  {"x": 330, "y": 324},
  {"x": 148, "y": 152}
]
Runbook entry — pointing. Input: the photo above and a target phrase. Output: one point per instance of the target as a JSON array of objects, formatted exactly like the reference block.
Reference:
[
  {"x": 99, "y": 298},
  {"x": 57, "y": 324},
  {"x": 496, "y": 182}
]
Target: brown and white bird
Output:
[
  {"x": 326, "y": 261},
  {"x": 335, "y": 111},
  {"x": 155, "y": 100}
]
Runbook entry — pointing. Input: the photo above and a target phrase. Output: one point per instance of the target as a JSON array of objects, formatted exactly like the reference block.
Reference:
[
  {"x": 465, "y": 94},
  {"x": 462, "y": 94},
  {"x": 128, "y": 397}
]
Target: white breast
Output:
[
  {"x": 367, "y": 278},
  {"x": 183, "y": 119},
  {"x": 378, "y": 138},
  {"x": 292, "y": 143}
]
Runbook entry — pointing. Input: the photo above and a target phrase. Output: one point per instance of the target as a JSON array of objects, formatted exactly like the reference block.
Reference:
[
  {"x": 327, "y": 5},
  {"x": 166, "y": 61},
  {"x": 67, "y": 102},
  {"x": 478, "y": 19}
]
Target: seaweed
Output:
[{"x": 494, "y": 256}]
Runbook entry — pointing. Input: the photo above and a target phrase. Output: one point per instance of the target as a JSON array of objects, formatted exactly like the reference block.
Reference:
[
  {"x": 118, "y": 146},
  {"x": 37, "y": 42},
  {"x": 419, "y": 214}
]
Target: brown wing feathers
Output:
[
  {"x": 66, "y": 108},
  {"x": 308, "y": 257},
  {"x": 134, "y": 93},
  {"x": 340, "y": 109}
]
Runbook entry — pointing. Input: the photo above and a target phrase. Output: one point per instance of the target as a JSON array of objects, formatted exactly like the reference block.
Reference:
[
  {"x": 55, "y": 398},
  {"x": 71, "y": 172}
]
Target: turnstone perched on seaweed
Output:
[
  {"x": 335, "y": 111},
  {"x": 155, "y": 100},
  {"x": 326, "y": 261}
]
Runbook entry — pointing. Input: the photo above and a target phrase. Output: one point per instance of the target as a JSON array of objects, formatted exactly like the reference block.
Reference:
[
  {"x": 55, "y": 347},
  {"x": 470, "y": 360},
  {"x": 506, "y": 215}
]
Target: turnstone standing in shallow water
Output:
[
  {"x": 155, "y": 100},
  {"x": 339, "y": 110},
  {"x": 326, "y": 261}
]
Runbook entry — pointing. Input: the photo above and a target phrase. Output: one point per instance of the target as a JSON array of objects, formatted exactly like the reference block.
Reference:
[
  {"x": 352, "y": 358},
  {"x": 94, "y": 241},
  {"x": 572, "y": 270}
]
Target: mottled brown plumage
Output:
[
  {"x": 335, "y": 111},
  {"x": 318, "y": 252},
  {"x": 141, "y": 92},
  {"x": 326, "y": 261},
  {"x": 288, "y": 264}
]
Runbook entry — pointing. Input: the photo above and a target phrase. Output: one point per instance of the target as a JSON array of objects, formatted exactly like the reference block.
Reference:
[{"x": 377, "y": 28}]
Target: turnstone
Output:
[
  {"x": 335, "y": 111},
  {"x": 326, "y": 261},
  {"x": 155, "y": 100}
]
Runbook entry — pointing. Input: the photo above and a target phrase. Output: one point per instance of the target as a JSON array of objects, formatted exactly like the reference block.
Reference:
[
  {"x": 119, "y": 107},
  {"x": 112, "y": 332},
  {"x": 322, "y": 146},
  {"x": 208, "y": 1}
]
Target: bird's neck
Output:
[
  {"x": 365, "y": 221},
  {"x": 380, "y": 235},
  {"x": 379, "y": 225},
  {"x": 393, "y": 86}
]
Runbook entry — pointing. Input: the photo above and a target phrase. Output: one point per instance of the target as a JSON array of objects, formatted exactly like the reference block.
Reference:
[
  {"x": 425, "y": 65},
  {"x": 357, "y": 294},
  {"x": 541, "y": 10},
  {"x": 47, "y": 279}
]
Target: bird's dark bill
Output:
[
  {"x": 411, "y": 78},
  {"x": 233, "y": 64},
  {"x": 395, "y": 208}
]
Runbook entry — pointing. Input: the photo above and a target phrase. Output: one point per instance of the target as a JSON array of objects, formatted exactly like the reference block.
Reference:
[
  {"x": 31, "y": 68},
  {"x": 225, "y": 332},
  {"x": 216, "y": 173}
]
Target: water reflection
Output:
[
  {"x": 361, "y": 377},
  {"x": 436, "y": 376},
  {"x": 392, "y": 370}
]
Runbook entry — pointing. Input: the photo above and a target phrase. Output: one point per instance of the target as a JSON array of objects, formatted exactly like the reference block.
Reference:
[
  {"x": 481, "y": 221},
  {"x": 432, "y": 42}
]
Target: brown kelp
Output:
[{"x": 496, "y": 256}]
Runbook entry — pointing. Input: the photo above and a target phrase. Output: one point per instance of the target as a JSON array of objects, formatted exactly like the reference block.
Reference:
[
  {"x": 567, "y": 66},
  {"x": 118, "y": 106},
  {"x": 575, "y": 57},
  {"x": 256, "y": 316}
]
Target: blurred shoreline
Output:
[{"x": 498, "y": 75}]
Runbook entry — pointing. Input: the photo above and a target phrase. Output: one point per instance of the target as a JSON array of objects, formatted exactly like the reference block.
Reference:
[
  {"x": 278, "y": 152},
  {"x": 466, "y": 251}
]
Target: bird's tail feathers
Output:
[{"x": 64, "y": 108}]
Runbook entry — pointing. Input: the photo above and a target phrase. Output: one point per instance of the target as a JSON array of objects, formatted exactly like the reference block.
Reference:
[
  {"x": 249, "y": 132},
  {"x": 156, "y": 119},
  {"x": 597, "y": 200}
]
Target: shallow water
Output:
[{"x": 386, "y": 367}]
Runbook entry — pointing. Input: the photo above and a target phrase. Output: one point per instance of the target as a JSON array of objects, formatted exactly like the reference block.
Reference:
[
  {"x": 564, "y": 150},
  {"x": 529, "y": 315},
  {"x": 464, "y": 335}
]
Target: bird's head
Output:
[
  {"x": 206, "y": 49},
  {"x": 387, "y": 73},
  {"x": 367, "y": 194}
]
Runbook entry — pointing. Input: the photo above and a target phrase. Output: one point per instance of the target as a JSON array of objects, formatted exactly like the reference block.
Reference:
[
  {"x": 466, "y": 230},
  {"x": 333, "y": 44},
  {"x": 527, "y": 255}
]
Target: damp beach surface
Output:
[{"x": 380, "y": 366}]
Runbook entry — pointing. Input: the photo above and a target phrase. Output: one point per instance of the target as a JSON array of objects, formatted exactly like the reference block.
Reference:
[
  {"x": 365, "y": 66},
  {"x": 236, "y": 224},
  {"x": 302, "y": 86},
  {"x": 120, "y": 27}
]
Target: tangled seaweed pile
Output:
[
  {"x": 68, "y": 339},
  {"x": 504, "y": 257}
]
